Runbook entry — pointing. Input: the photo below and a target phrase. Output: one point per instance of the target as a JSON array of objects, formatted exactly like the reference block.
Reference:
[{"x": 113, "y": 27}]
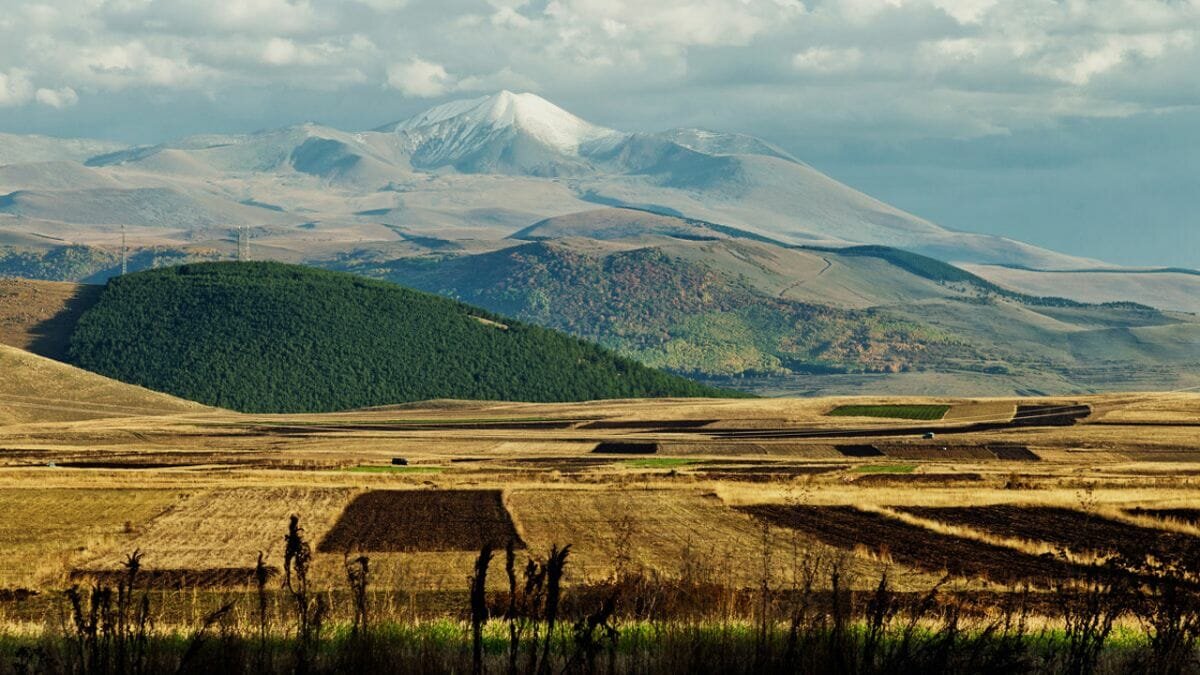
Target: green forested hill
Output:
[{"x": 268, "y": 337}]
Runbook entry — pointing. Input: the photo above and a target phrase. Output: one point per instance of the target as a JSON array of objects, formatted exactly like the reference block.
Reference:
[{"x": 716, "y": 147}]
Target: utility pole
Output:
[
  {"x": 124, "y": 252},
  {"x": 243, "y": 250}
]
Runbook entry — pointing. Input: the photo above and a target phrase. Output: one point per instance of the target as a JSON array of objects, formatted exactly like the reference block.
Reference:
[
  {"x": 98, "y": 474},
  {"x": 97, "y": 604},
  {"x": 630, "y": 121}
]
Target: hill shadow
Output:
[{"x": 52, "y": 337}]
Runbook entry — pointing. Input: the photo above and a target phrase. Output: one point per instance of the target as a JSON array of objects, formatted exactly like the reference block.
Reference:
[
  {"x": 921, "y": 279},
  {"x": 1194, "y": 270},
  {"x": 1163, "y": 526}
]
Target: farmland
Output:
[
  {"x": 202, "y": 487},
  {"x": 730, "y": 496},
  {"x": 427, "y": 520},
  {"x": 901, "y": 412}
]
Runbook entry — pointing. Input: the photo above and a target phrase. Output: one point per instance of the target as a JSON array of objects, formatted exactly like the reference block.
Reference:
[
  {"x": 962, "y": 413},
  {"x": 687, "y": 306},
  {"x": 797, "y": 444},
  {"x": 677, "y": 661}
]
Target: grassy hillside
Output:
[
  {"x": 269, "y": 337},
  {"x": 771, "y": 318},
  {"x": 677, "y": 314},
  {"x": 936, "y": 270},
  {"x": 36, "y": 389}
]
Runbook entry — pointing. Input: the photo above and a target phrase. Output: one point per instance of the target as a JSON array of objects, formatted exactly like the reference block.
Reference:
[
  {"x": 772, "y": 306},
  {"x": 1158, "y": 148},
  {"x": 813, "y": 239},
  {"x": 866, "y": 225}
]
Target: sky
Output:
[{"x": 1072, "y": 124}]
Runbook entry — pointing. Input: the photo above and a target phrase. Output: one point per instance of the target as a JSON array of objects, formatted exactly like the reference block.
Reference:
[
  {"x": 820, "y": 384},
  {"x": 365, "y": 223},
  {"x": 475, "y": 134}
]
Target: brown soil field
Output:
[
  {"x": 1014, "y": 453},
  {"x": 174, "y": 579},
  {"x": 1072, "y": 529},
  {"x": 1050, "y": 415},
  {"x": 767, "y": 472},
  {"x": 626, "y": 448},
  {"x": 849, "y": 528},
  {"x": 938, "y": 451},
  {"x": 662, "y": 529},
  {"x": 422, "y": 520},
  {"x": 859, "y": 450},
  {"x": 1183, "y": 515},
  {"x": 875, "y": 479}
]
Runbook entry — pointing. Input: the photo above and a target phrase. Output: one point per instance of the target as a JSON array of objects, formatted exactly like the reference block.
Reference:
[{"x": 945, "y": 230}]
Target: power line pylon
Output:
[{"x": 243, "y": 249}]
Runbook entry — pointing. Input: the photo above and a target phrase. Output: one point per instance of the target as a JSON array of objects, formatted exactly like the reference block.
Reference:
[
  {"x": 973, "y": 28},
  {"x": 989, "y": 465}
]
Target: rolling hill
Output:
[
  {"x": 715, "y": 302},
  {"x": 268, "y": 337},
  {"x": 36, "y": 389},
  {"x": 38, "y": 316},
  {"x": 683, "y": 316}
]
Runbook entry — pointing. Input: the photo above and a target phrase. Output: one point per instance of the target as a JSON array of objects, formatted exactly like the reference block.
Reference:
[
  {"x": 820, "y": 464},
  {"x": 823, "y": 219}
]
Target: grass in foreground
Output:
[
  {"x": 633, "y": 621},
  {"x": 899, "y": 412}
]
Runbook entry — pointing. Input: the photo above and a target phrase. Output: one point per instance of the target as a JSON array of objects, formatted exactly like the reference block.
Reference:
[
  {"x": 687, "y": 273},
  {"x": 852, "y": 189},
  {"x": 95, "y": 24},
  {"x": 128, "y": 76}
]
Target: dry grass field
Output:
[
  {"x": 34, "y": 389},
  {"x": 734, "y": 512},
  {"x": 726, "y": 484}
]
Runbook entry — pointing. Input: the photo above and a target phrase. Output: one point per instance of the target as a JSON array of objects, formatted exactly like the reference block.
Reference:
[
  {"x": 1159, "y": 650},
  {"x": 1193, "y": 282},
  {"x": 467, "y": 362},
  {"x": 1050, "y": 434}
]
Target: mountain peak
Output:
[{"x": 525, "y": 112}]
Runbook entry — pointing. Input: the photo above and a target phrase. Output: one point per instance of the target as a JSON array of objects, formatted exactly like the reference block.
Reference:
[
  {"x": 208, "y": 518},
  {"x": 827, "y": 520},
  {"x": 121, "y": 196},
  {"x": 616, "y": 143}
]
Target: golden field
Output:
[{"x": 196, "y": 489}]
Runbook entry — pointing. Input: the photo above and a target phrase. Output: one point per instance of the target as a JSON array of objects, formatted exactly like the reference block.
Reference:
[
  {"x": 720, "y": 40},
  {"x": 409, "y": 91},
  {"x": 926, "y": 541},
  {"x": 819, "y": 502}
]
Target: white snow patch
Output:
[{"x": 479, "y": 117}]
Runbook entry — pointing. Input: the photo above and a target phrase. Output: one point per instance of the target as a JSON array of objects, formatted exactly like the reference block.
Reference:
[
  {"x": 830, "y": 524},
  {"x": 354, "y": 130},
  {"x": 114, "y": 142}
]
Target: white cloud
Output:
[
  {"x": 505, "y": 78},
  {"x": 15, "y": 88},
  {"x": 212, "y": 17},
  {"x": 956, "y": 66},
  {"x": 383, "y": 5},
  {"x": 133, "y": 64},
  {"x": 419, "y": 78},
  {"x": 1080, "y": 65},
  {"x": 422, "y": 79},
  {"x": 827, "y": 60},
  {"x": 280, "y": 51},
  {"x": 64, "y": 97},
  {"x": 285, "y": 52}
]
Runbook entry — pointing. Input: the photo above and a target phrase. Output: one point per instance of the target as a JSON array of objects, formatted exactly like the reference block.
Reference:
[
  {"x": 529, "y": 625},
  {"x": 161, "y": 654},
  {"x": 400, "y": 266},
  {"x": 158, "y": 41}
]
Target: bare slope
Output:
[
  {"x": 36, "y": 389},
  {"x": 38, "y": 316},
  {"x": 1167, "y": 289}
]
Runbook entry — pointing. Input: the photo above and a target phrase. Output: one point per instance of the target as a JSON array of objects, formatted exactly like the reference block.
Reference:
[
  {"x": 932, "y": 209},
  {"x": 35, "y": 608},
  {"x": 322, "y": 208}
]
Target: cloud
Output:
[
  {"x": 827, "y": 60},
  {"x": 422, "y": 79},
  {"x": 206, "y": 17},
  {"x": 15, "y": 88},
  {"x": 135, "y": 63},
  {"x": 64, "y": 97},
  {"x": 921, "y": 67},
  {"x": 419, "y": 78}
]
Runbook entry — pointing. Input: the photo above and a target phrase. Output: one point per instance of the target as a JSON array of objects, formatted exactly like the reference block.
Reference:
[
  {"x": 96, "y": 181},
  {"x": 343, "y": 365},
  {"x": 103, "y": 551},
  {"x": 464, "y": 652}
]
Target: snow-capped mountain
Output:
[
  {"x": 505, "y": 132},
  {"x": 477, "y": 169}
]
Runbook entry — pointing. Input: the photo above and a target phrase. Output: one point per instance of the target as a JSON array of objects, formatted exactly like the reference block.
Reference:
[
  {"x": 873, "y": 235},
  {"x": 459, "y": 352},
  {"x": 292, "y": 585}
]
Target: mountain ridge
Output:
[{"x": 441, "y": 167}]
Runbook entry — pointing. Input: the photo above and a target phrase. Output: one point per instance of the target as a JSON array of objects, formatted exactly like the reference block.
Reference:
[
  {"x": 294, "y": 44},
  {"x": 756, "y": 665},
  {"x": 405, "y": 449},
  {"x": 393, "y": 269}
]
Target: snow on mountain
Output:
[
  {"x": 531, "y": 113},
  {"x": 720, "y": 143},
  {"x": 487, "y": 166},
  {"x": 505, "y": 132}
]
